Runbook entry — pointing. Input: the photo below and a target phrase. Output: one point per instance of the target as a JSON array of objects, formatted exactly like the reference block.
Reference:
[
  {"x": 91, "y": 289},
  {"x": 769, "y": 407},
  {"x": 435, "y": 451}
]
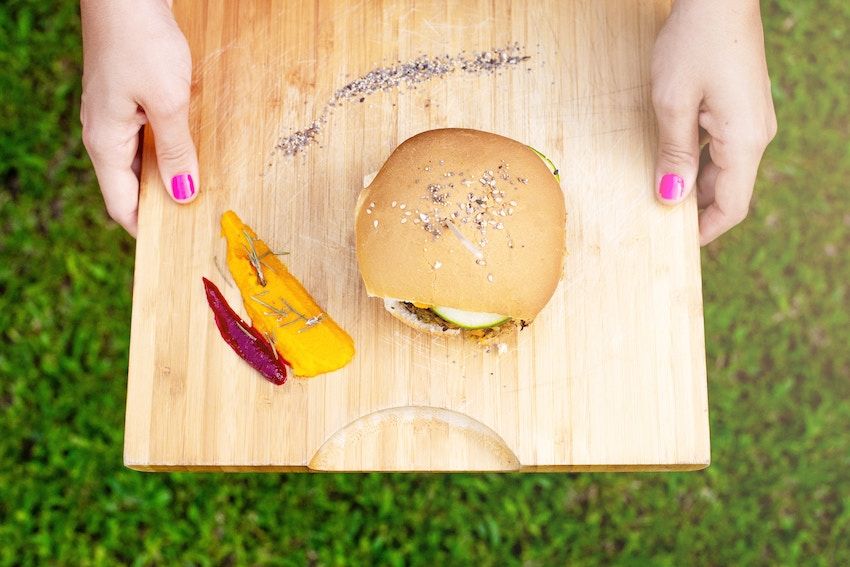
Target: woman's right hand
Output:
[
  {"x": 136, "y": 68},
  {"x": 709, "y": 72}
]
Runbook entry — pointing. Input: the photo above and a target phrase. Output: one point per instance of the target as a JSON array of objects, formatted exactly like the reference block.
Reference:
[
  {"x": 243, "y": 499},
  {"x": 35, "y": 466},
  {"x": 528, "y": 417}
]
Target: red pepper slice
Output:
[{"x": 245, "y": 340}]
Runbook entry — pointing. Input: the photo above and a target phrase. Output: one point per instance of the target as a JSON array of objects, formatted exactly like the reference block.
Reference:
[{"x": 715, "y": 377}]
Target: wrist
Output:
[
  {"x": 95, "y": 5},
  {"x": 717, "y": 15},
  {"x": 726, "y": 7}
]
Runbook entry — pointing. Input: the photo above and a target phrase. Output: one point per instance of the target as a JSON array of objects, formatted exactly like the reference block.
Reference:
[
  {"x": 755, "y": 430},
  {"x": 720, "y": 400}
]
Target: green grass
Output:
[{"x": 776, "y": 306}]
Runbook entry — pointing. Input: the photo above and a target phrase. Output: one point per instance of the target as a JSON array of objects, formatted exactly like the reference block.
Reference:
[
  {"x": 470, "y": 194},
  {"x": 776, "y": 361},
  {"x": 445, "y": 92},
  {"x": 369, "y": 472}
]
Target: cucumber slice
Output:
[
  {"x": 470, "y": 319},
  {"x": 548, "y": 161}
]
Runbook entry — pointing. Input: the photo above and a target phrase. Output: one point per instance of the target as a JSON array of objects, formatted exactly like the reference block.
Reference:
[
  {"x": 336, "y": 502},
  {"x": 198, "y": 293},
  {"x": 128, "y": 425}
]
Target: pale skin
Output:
[
  {"x": 709, "y": 77},
  {"x": 709, "y": 84}
]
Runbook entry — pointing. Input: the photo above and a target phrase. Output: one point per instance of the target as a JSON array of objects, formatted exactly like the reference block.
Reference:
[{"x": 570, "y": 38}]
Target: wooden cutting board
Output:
[{"x": 611, "y": 376}]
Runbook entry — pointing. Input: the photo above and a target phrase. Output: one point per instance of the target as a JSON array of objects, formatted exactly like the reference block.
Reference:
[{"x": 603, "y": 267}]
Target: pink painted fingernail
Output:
[
  {"x": 672, "y": 187},
  {"x": 182, "y": 186}
]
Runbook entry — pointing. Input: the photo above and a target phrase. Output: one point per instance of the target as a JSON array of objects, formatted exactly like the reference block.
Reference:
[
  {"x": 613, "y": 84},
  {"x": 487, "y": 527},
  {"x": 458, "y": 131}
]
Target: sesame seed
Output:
[
  {"x": 513, "y": 203},
  {"x": 394, "y": 203},
  {"x": 415, "y": 221},
  {"x": 511, "y": 211},
  {"x": 407, "y": 213},
  {"x": 403, "y": 220},
  {"x": 375, "y": 223},
  {"x": 499, "y": 226},
  {"x": 481, "y": 262},
  {"x": 402, "y": 206},
  {"x": 368, "y": 211},
  {"x": 438, "y": 265},
  {"x": 490, "y": 278}
]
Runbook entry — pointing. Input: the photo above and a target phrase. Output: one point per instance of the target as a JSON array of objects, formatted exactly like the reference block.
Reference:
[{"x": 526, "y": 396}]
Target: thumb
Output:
[
  {"x": 175, "y": 151},
  {"x": 677, "y": 163}
]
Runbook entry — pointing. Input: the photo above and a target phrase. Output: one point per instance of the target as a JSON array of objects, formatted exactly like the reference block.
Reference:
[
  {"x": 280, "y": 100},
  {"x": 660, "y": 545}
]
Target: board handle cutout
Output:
[{"x": 415, "y": 438}]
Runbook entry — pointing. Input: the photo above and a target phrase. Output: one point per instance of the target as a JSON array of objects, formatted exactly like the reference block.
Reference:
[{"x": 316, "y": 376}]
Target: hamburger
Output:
[{"x": 462, "y": 232}]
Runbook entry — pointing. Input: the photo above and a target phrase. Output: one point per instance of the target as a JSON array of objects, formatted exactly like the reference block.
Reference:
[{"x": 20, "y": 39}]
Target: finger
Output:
[
  {"x": 737, "y": 145},
  {"x": 137, "y": 159},
  {"x": 678, "y": 146},
  {"x": 706, "y": 179},
  {"x": 733, "y": 189},
  {"x": 112, "y": 144},
  {"x": 120, "y": 188},
  {"x": 175, "y": 151}
]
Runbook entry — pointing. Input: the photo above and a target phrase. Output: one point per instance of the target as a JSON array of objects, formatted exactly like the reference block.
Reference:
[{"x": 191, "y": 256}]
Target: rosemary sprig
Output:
[
  {"x": 270, "y": 253},
  {"x": 254, "y": 258},
  {"x": 270, "y": 338},
  {"x": 282, "y": 313},
  {"x": 312, "y": 321}
]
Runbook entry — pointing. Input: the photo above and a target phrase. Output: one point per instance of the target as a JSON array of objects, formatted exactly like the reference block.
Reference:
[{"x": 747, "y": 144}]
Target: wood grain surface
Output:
[{"x": 611, "y": 376}]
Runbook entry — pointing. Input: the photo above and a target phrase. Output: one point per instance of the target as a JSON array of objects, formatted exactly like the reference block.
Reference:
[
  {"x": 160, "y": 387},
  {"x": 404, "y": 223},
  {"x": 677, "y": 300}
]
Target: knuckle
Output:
[
  {"x": 668, "y": 105},
  {"x": 745, "y": 145},
  {"x": 170, "y": 103},
  {"x": 738, "y": 214},
  {"x": 175, "y": 106},
  {"x": 675, "y": 153},
  {"x": 750, "y": 139},
  {"x": 753, "y": 145},
  {"x": 119, "y": 213},
  {"x": 772, "y": 127},
  {"x": 177, "y": 151},
  {"x": 94, "y": 140}
]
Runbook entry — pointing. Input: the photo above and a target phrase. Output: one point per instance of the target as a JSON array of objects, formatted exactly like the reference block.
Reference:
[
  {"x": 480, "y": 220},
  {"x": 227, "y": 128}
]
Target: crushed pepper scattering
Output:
[{"x": 403, "y": 74}]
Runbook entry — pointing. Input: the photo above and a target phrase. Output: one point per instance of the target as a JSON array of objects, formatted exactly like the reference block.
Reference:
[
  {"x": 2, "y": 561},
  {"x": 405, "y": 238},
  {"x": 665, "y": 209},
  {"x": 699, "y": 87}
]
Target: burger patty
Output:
[{"x": 427, "y": 316}]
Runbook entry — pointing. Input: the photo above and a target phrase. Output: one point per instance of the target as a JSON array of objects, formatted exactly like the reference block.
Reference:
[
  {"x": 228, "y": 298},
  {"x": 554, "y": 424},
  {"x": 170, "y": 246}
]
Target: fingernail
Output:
[
  {"x": 182, "y": 186},
  {"x": 672, "y": 187}
]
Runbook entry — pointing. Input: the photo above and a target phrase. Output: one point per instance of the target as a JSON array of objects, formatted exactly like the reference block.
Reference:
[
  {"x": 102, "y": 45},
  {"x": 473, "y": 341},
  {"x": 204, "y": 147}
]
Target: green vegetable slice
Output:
[
  {"x": 548, "y": 162},
  {"x": 470, "y": 319}
]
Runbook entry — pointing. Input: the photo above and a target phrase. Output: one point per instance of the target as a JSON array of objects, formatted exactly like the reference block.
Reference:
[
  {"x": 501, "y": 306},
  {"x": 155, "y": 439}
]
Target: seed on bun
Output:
[{"x": 462, "y": 231}]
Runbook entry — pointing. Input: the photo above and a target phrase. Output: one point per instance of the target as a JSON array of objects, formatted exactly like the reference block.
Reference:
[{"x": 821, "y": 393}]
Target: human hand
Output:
[
  {"x": 137, "y": 67},
  {"x": 709, "y": 72}
]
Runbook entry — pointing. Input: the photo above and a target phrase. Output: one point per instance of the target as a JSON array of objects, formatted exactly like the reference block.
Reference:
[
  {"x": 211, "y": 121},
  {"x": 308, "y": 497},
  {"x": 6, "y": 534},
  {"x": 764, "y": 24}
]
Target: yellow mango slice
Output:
[{"x": 282, "y": 309}]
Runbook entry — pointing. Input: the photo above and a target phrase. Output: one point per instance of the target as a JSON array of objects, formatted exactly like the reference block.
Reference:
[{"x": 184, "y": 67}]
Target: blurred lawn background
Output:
[{"x": 777, "y": 330}]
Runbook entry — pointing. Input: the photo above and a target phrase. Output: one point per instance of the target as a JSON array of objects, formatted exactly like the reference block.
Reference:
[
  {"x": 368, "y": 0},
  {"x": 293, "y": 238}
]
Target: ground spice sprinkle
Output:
[{"x": 403, "y": 74}]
